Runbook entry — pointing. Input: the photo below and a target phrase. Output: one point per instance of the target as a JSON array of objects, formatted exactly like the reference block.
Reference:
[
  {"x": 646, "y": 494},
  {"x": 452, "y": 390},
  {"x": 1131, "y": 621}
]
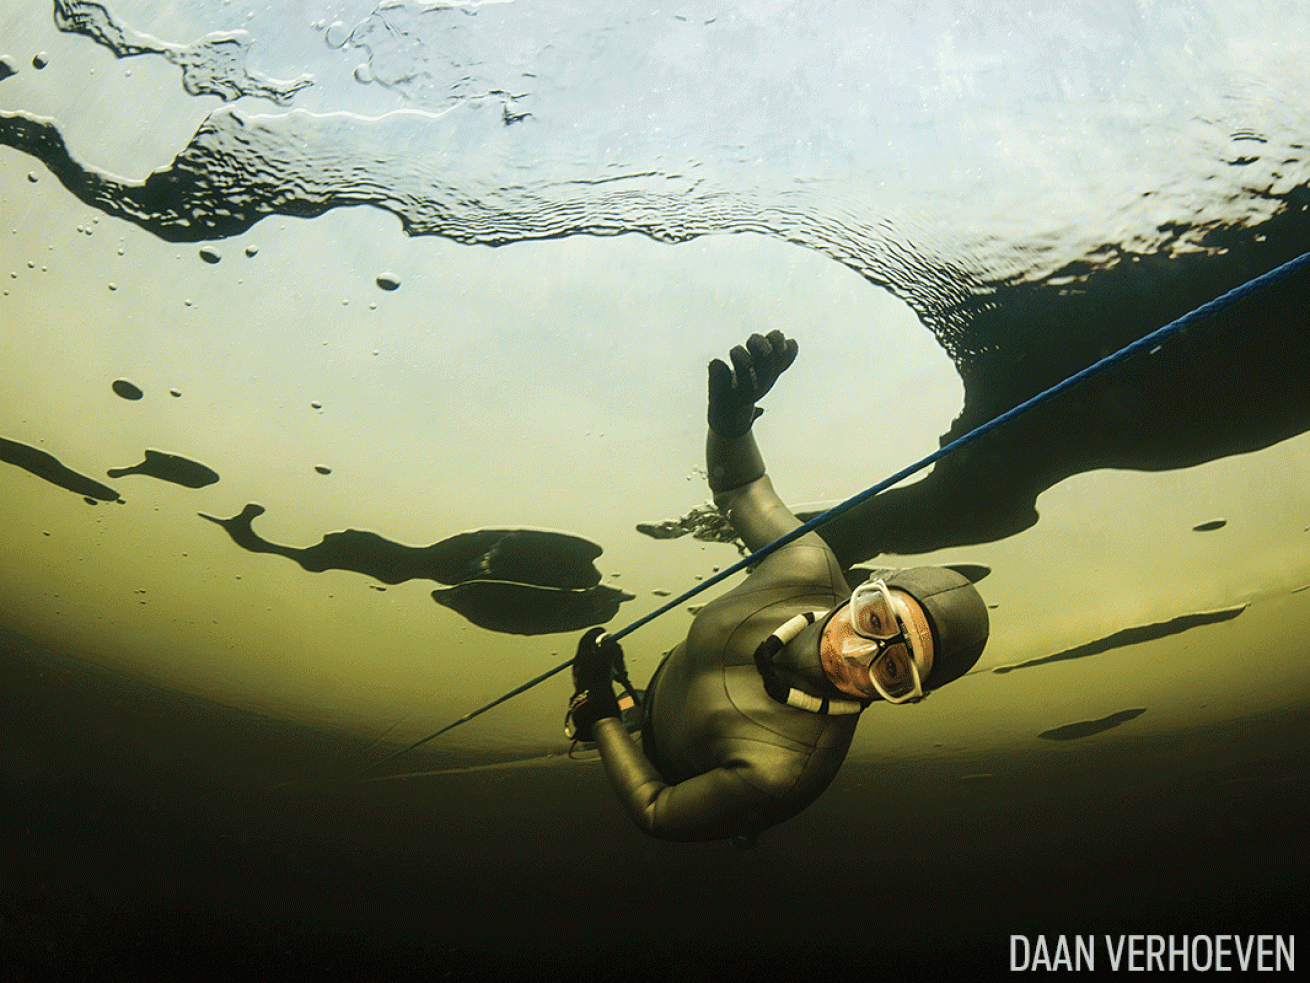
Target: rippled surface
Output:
[{"x": 951, "y": 206}]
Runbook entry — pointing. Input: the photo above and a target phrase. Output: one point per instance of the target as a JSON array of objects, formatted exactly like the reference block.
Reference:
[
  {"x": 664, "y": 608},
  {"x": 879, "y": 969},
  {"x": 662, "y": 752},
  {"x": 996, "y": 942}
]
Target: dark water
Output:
[
  {"x": 156, "y": 836},
  {"x": 1040, "y": 185}
]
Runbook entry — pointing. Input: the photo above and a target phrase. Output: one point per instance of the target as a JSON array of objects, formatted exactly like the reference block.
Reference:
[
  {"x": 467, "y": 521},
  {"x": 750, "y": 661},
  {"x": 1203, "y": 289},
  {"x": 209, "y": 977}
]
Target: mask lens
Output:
[
  {"x": 872, "y": 613},
  {"x": 895, "y": 675}
]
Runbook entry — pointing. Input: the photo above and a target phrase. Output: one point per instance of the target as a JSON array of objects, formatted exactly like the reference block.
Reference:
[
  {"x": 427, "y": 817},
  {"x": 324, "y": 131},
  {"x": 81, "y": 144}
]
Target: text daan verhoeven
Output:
[{"x": 1154, "y": 953}]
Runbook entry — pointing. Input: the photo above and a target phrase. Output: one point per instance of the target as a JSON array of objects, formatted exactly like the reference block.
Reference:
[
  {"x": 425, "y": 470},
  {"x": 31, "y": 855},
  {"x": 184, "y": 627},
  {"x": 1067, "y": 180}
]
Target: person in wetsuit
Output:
[{"x": 749, "y": 719}]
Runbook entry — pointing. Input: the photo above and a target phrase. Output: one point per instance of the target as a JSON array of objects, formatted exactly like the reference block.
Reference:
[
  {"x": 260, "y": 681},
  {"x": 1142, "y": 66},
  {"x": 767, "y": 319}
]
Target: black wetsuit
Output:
[{"x": 721, "y": 757}]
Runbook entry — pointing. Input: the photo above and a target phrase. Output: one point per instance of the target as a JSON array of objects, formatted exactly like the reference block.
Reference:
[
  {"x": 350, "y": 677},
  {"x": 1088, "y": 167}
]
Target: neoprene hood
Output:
[{"x": 957, "y": 616}]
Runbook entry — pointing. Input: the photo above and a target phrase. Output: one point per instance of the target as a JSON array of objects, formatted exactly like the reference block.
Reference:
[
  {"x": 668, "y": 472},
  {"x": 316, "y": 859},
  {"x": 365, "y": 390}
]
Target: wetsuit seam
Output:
[{"x": 782, "y": 793}]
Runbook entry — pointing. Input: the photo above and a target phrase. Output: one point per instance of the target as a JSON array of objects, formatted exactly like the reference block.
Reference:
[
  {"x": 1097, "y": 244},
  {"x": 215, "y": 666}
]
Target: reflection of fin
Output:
[
  {"x": 170, "y": 467},
  {"x": 526, "y": 556},
  {"x": 1133, "y": 636},
  {"x": 45, "y": 466},
  {"x": 525, "y": 609},
  {"x": 1086, "y": 728},
  {"x": 533, "y": 556}
]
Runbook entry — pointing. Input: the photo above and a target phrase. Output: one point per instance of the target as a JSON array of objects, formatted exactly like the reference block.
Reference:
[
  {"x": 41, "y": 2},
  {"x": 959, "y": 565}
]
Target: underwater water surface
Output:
[{"x": 355, "y": 363}]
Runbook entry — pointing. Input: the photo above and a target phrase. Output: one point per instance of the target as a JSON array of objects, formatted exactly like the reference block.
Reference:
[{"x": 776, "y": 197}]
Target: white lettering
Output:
[
  {"x": 1287, "y": 953},
  {"x": 1209, "y": 953},
  {"x": 1261, "y": 952},
  {"x": 1085, "y": 944},
  {"x": 1014, "y": 940},
  {"x": 1180, "y": 951},
  {"x": 1146, "y": 953},
  {"x": 1155, "y": 953},
  {"x": 1115, "y": 954},
  {"x": 1041, "y": 954},
  {"x": 1134, "y": 952},
  {"x": 1244, "y": 958},
  {"x": 1062, "y": 955},
  {"x": 1219, "y": 952}
]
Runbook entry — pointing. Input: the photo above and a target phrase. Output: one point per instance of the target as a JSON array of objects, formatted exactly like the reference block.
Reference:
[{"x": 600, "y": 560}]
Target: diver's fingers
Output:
[
  {"x": 746, "y": 380},
  {"x": 720, "y": 378},
  {"x": 784, "y": 350}
]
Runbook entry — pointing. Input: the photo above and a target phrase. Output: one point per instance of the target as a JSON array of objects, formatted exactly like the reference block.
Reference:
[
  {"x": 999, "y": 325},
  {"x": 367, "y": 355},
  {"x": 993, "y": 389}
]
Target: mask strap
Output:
[{"x": 778, "y": 689}]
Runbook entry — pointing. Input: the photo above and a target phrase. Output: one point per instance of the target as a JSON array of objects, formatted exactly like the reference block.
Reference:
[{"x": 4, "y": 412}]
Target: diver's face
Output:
[{"x": 853, "y": 661}]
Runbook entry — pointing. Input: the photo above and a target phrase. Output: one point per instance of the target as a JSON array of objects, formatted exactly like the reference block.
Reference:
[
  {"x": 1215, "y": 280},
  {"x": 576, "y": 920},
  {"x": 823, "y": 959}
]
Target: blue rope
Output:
[{"x": 1208, "y": 310}]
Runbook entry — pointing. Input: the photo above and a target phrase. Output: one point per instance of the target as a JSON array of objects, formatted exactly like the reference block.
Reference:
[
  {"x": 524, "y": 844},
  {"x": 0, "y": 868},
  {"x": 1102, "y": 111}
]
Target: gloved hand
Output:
[
  {"x": 593, "y": 675},
  {"x": 733, "y": 394}
]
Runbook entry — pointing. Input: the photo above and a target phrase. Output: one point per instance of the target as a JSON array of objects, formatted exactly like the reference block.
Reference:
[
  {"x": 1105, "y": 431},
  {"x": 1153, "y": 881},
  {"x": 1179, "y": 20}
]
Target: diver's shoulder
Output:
[
  {"x": 732, "y": 626},
  {"x": 807, "y": 562}
]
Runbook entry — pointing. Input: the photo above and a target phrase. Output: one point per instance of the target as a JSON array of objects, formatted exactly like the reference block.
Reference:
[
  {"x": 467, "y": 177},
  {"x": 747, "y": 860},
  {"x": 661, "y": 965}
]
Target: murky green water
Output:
[{"x": 432, "y": 270}]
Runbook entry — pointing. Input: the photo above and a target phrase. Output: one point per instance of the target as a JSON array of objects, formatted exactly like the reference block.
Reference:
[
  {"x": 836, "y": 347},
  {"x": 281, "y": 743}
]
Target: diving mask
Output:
[{"x": 897, "y": 657}]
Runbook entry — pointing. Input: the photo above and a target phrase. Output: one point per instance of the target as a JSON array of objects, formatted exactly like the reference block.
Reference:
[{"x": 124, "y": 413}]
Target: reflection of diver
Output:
[{"x": 748, "y": 720}]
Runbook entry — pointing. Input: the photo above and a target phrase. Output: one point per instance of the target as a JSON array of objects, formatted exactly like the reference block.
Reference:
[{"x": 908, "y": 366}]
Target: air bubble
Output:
[
  {"x": 252, "y": 250},
  {"x": 337, "y": 34},
  {"x": 388, "y": 281},
  {"x": 33, "y": 177},
  {"x": 40, "y": 60},
  {"x": 210, "y": 255}
]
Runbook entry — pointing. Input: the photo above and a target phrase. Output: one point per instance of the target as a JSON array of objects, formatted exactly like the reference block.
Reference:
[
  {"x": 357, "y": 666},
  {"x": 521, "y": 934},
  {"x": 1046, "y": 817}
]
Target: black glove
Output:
[
  {"x": 733, "y": 394},
  {"x": 593, "y": 675}
]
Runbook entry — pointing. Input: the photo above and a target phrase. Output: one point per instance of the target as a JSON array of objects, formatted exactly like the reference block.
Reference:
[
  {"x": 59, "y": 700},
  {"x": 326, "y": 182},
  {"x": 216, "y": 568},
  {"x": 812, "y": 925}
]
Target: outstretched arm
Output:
[{"x": 732, "y": 458}]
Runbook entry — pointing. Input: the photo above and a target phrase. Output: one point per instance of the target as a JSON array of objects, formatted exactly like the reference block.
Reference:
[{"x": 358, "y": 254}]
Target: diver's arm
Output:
[
  {"x": 743, "y": 492},
  {"x": 714, "y": 806},
  {"x": 732, "y": 458}
]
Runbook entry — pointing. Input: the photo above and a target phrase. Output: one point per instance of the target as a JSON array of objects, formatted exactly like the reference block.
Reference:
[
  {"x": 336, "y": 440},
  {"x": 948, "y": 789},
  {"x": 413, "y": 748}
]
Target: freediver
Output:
[{"x": 748, "y": 720}]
